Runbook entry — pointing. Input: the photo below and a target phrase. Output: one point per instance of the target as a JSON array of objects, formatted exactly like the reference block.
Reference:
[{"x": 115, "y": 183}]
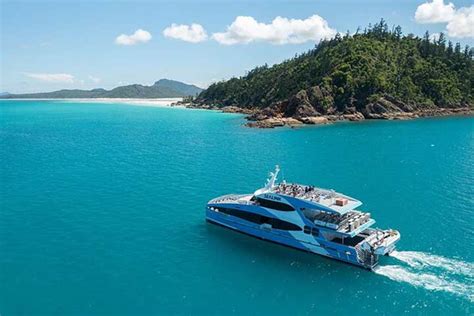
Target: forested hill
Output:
[
  {"x": 349, "y": 74},
  {"x": 163, "y": 88}
]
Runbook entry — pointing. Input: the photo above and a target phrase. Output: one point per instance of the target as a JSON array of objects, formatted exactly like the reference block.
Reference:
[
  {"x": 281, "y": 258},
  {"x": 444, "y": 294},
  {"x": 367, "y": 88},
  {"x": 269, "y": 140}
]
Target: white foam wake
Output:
[
  {"x": 422, "y": 260},
  {"x": 428, "y": 281}
]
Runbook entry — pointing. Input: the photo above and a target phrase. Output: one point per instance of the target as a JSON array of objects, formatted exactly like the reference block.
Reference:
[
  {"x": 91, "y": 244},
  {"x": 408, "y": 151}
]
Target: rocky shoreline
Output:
[
  {"x": 272, "y": 122},
  {"x": 298, "y": 112}
]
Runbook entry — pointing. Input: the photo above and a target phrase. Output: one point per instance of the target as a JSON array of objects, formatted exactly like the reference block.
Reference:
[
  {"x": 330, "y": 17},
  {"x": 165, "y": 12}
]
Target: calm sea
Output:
[{"x": 102, "y": 212}]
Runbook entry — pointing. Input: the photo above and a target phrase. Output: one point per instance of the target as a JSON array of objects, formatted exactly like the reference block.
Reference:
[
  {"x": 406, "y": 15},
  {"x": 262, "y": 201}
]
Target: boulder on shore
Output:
[
  {"x": 267, "y": 123},
  {"x": 315, "y": 120},
  {"x": 236, "y": 109},
  {"x": 357, "y": 116},
  {"x": 274, "y": 122}
]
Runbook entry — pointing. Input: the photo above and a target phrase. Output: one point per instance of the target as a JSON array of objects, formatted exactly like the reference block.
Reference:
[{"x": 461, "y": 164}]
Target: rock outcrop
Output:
[
  {"x": 236, "y": 109},
  {"x": 275, "y": 122},
  {"x": 299, "y": 106},
  {"x": 315, "y": 120},
  {"x": 321, "y": 99},
  {"x": 315, "y": 106}
]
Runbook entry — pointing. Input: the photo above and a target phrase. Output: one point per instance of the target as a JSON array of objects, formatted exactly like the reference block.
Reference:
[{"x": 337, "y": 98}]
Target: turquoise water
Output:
[{"x": 102, "y": 212}]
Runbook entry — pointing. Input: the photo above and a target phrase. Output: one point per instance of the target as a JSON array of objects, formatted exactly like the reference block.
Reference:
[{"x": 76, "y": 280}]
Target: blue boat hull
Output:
[{"x": 304, "y": 243}]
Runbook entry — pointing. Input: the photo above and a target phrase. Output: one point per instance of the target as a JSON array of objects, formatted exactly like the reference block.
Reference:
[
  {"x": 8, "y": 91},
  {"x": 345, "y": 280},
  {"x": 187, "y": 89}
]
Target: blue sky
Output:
[{"x": 47, "y": 46}]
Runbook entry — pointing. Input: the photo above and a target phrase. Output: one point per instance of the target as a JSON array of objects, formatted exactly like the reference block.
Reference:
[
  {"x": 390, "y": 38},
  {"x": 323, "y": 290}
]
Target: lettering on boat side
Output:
[{"x": 272, "y": 197}]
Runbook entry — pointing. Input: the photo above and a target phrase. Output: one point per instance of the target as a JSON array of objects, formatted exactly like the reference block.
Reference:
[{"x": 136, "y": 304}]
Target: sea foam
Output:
[
  {"x": 421, "y": 260},
  {"x": 432, "y": 272}
]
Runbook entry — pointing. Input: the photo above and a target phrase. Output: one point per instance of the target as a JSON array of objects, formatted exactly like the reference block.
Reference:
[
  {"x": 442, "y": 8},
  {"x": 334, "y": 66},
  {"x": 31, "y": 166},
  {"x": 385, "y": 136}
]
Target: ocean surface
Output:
[{"x": 102, "y": 212}]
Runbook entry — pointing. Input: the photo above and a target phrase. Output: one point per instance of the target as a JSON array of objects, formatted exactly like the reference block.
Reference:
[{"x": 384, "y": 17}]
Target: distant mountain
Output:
[
  {"x": 4, "y": 93},
  {"x": 186, "y": 89},
  {"x": 163, "y": 88}
]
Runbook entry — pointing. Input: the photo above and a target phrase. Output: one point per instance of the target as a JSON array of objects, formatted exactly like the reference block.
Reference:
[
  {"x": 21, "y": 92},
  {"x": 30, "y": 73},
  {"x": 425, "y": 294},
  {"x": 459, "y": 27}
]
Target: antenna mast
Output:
[{"x": 273, "y": 177}]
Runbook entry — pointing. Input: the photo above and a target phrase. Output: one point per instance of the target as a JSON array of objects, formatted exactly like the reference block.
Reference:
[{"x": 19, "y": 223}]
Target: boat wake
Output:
[
  {"x": 420, "y": 260},
  {"x": 434, "y": 273}
]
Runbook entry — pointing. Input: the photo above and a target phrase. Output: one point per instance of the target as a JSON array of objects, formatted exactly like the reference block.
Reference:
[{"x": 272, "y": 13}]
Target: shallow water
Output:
[{"x": 102, "y": 212}]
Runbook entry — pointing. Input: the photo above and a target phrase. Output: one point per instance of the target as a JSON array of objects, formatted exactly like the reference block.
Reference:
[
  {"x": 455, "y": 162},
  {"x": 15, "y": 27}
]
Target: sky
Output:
[{"x": 51, "y": 45}]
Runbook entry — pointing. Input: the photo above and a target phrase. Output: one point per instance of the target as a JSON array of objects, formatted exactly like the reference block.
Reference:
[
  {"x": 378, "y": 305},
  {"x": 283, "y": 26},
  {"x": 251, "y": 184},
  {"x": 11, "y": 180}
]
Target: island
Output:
[
  {"x": 375, "y": 73},
  {"x": 163, "y": 88}
]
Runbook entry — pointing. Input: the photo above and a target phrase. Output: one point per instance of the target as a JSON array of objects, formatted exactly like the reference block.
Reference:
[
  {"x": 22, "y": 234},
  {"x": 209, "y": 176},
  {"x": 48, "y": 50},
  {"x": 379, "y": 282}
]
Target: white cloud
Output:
[
  {"x": 434, "y": 12},
  {"x": 66, "y": 78},
  {"x": 246, "y": 29},
  {"x": 193, "y": 33},
  {"x": 94, "y": 79},
  {"x": 462, "y": 25},
  {"x": 460, "y": 22},
  {"x": 140, "y": 36}
]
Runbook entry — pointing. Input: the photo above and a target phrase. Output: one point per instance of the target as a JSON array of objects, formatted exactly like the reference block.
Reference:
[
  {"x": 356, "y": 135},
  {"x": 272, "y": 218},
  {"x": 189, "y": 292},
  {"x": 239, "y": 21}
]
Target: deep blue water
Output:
[{"x": 102, "y": 212}]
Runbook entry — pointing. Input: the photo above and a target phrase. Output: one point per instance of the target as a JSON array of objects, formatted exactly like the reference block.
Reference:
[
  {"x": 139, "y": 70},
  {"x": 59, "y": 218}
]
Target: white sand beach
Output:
[
  {"x": 159, "y": 102},
  {"x": 140, "y": 102}
]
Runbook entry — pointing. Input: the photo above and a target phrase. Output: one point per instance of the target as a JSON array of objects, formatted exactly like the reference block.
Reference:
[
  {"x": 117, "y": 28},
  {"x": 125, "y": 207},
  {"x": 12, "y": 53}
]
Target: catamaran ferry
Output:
[{"x": 305, "y": 217}]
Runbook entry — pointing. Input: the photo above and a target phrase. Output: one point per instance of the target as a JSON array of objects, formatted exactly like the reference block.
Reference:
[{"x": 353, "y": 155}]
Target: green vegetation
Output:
[
  {"x": 163, "y": 88},
  {"x": 348, "y": 72}
]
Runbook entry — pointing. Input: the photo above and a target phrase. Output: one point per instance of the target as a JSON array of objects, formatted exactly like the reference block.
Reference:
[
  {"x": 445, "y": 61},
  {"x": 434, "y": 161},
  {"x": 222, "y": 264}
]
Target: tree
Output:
[
  {"x": 466, "y": 51},
  {"x": 449, "y": 50},
  {"x": 457, "y": 49},
  {"x": 425, "y": 44},
  {"x": 441, "y": 40},
  {"x": 398, "y": 32}
]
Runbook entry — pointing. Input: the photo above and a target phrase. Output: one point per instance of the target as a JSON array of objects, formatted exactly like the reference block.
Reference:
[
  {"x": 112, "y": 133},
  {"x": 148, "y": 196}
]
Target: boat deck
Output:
[
  {"x": 349, "y": 224},
  {"x": 233, "y": 198},
  {"x": 334, "y": 201}
]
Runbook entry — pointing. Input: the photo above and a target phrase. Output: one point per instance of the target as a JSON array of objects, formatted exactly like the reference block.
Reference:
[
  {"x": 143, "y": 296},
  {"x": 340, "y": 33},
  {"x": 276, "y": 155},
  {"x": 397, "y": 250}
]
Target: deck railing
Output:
[{"x": 230, "y": 198}]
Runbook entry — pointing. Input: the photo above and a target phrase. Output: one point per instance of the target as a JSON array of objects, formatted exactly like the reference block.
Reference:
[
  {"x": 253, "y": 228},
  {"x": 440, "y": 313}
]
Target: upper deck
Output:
[
  {"x": 318, "y": 198},
  {"x": 330, "y": 200},
  {"x": 233, "y": 198}
]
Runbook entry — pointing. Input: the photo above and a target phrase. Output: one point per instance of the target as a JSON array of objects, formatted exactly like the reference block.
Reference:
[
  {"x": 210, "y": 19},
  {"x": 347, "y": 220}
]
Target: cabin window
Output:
[
  {"x": 315, "y": 232},
  {"x": 251, "y": 217},
  {"x": 260, "y": 219},
  {"x": 275, "y": 205},
  {"x": 265, "y": 220},
  {"x": 307, "y": 229},
  {"x": 283, "y": 225}
]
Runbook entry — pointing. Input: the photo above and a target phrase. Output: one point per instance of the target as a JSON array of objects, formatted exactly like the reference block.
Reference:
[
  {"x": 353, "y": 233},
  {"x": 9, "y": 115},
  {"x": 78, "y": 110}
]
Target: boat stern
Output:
[
  {"x": 381, "y": 242},
  {"x": 387, "y": 242}
]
